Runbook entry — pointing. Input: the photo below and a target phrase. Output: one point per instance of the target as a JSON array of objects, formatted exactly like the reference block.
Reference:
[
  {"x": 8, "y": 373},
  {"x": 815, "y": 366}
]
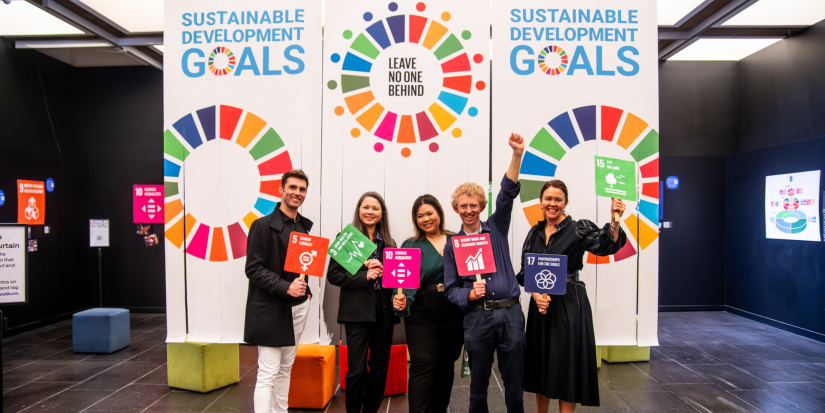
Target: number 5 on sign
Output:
[{"x": 306, "y": 254}]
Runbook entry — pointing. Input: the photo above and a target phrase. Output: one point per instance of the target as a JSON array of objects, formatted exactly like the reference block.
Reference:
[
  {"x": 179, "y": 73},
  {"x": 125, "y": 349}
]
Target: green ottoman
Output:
[
  {"x": 625, "y": 354},
  {"x": 202, "y": 367}
]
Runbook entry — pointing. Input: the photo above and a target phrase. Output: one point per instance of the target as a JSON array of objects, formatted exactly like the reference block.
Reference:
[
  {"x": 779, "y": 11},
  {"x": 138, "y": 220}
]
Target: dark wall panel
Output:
[
  {"x": 698, "y": 108},
  {"x": 691, "y": 254},
  {"x": 783, "y": 91},
  {"x": 778, "y": 279}
]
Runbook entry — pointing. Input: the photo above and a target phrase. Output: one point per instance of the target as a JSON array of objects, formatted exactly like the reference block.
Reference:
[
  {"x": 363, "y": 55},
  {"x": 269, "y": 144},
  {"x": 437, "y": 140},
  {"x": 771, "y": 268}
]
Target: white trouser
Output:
[{"x": 275, "y": 366}]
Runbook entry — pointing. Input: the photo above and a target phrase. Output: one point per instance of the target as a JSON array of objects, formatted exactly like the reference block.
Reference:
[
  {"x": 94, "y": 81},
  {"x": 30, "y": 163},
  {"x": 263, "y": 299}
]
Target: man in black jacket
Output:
[{"x": 278, "y": 301}]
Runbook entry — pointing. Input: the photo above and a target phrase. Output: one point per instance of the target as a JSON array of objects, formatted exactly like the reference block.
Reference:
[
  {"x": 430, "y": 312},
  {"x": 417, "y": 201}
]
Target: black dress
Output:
[{"x": 560, "y": 360}]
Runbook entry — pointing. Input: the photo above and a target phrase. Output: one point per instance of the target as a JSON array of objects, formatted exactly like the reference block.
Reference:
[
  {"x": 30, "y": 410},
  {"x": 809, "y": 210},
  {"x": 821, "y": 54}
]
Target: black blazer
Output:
[
  {"x": 268, "y": 309},
  {"x": 356, "y": 303}
]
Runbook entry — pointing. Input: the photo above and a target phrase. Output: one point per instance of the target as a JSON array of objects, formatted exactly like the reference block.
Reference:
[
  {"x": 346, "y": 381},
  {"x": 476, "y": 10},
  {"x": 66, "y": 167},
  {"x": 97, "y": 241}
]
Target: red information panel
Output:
[
  {"x": 306, "y": 254},
  {"x": 474, "y": 254},
  {"x": 31, "y": 202}
]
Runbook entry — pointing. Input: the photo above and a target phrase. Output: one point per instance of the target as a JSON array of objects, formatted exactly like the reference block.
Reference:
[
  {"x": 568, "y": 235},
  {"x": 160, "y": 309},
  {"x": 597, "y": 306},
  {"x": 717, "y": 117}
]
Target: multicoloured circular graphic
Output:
[
  {"x": 545, "y": 152},
  {"x": 366, "y": 49},
  {"x": 790, "y": 203},
  {"x": 230, "y": 61},
  {"x": 190, "y": 133},
  {"x": 791, "y": 222},
  {"x": 543, "y": 57}
]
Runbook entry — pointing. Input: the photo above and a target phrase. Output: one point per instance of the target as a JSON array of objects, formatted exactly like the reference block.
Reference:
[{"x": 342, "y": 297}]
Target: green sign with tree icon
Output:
[
  {"x": 351, "y": 249},
  {"x": 616, "y": 178}
]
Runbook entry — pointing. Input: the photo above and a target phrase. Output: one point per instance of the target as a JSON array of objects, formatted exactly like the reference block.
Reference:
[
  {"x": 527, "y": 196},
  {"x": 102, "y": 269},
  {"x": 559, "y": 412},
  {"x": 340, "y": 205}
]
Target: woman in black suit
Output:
[{"x": 365, "y": 310}]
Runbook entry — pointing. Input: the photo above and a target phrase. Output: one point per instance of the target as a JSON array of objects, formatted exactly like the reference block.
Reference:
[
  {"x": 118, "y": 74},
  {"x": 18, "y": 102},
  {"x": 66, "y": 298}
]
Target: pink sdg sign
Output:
[
  {"x": 147, "y": 204},
  {"x": 402, "y": 268}
]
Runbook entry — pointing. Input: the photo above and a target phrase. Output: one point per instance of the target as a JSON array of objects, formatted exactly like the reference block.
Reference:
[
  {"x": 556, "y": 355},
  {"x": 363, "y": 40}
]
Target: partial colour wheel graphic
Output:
[
  {"x": 446, "y": 58},
  {"x": 220, "y": 147},
  {"x": 632, "y": 137}
]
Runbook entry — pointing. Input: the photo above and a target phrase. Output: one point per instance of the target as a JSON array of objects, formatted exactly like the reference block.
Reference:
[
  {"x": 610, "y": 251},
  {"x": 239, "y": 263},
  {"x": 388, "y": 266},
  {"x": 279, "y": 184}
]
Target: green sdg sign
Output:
[
  {"x": 351, "y": 249},
  {"x": 615, "y": 178}
]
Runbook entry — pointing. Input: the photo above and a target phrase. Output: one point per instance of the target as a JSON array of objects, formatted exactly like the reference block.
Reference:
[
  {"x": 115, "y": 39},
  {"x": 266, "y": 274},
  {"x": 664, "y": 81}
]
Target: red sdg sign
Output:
[
  {"x": 474, "y": 254},
  {"x": 306, "y": 254}
]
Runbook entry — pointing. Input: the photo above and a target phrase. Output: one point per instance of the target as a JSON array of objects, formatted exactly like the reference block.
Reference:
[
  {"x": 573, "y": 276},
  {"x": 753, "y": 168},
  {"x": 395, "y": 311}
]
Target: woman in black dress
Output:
[
  {"x": 365, "y": 310},
  {"x": 560, "y": 361}
]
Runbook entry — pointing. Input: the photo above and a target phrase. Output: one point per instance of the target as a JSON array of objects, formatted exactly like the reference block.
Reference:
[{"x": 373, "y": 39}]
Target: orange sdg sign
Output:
[
  {"x": 306, "y": 254},
  {"x": 31, "y": 202}
]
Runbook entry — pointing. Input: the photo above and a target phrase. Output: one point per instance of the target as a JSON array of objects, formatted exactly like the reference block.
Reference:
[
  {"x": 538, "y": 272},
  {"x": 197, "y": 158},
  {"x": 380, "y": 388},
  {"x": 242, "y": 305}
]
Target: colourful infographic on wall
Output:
[
  {"x": 580, "y": 82},
  {"x": 242, "y": 103},
  {"x": 792, "y": 205},
  {"x": 406, "y": 104}
]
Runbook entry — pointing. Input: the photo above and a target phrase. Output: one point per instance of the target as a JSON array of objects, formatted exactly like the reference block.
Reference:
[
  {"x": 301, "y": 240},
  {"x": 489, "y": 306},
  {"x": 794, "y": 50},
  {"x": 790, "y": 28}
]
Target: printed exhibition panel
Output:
[
  {"x": 791, "y": 206},
  {"x": 31, "y": 202},
  {"x": 242, "y": 106},
  {"x": 580, "y": 84},
  {"x": 406, "y": 106}
]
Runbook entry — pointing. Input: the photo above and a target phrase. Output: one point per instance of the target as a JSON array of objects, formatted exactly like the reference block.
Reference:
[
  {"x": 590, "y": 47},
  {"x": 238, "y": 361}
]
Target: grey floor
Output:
[{"x": 707, "y": 362}]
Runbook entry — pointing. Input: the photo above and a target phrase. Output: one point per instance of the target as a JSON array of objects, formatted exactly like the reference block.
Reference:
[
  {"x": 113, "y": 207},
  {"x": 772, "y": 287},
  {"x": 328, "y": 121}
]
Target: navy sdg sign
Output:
[{"x": 545, "y": 274}]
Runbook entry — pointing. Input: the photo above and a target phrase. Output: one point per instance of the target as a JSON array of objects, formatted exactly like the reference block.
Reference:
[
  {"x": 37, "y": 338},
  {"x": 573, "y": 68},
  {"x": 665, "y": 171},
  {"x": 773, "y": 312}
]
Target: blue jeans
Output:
[{"x": 500, "y": 331}]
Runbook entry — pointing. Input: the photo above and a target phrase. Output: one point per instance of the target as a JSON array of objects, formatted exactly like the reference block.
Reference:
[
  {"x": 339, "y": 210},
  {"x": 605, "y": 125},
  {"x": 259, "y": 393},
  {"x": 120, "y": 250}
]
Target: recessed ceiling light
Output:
[
  {"x": 723, "y": 49},
  {"x": 780, "y": 13},
  {"x": 21, "y": 18},
  {"x": 669, "y": 12},
  {"x": 159, "y": 47}
]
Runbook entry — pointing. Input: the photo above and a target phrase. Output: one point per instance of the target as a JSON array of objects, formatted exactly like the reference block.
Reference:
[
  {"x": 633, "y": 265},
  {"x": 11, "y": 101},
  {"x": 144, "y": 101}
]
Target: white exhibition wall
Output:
[{"x": 406, "y": 111}]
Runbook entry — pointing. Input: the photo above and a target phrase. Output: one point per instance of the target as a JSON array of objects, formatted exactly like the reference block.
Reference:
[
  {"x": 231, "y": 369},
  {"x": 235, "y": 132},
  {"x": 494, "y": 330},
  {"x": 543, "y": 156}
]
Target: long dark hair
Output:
[
  {"x": 383, "y": 225},
  {"x": 426, "y": 199}
]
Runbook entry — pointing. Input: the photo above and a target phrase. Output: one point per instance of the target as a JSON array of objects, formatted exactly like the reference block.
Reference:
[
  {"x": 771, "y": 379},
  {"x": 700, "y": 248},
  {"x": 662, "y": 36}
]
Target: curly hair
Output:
[{"x": 469, "y": 188}]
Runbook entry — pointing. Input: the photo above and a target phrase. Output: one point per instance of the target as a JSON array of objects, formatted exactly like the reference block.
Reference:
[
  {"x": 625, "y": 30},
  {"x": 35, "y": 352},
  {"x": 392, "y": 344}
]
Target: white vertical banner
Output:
[
  {"x": 406, "y": 105},
  {"x": 241, "y": 107},
  {"x": 580, "y": 80}
]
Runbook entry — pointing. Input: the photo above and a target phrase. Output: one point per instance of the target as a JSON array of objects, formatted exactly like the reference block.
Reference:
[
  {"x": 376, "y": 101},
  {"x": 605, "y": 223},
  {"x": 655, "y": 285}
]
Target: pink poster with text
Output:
[
  {"x": 147, "y": 204},
  {"x": 402, "y": 268}
]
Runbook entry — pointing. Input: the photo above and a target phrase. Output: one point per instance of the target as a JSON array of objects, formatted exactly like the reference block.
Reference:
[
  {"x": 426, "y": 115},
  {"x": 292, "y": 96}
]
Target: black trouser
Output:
[
  {"x": 500, "y": 331},
  {"x": 434, "y": 338},
  {"x": 365, "y": 389}
]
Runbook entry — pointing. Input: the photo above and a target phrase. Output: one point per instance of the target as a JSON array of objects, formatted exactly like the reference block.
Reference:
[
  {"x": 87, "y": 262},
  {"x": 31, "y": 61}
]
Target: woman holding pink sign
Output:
[
  {"x": 434, "y": 325},
  {"x": 365, "y": 310},
  {"x": 560, "y": 359}
]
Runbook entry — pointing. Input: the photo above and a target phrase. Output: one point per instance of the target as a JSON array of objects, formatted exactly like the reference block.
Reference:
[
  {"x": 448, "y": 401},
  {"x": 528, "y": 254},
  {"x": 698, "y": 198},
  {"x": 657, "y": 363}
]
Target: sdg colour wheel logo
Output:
[
  {"x": 407, "y": 78},
  {"x": 228, "y": 162},
  {"x": 619, "y": 134}
]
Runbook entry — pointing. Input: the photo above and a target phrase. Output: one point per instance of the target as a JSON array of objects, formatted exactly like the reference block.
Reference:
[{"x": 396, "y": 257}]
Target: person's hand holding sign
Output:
[
  {"x": 399, "y": 302},
  {"x": 617, "y": 210},
  {"x": 479, "y": 289},
  {"x": 542, "y": 301},
  {"x": 298, "y": 288},
  {"x": 374, "y": 269}
]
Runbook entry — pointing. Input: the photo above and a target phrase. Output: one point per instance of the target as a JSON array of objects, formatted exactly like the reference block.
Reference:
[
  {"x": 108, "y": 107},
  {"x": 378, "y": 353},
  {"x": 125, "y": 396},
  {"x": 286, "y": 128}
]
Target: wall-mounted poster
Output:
[
  {"x": 31, "y": 202},
  {"x": 13, "y": 263},
  {"x": 147, "y": 204},
  {"x": 792, "y": 206}
]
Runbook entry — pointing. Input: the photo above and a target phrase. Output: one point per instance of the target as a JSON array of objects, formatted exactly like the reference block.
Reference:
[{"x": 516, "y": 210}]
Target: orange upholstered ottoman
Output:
[
  {"x": 312, "y": 384},
  {"x": 396, "y": 374}
]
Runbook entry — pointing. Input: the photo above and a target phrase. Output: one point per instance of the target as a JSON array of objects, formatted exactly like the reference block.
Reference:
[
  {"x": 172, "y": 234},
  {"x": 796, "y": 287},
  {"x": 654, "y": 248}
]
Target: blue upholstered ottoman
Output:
[{"x": 100, "y": 330}]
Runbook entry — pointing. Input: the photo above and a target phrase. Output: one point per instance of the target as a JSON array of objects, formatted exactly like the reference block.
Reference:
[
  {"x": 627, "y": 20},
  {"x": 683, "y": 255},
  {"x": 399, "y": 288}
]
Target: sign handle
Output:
[
  {"x": 400, "y": 293},
  {"x": 478, "y": 278},
  {"x": 616, "y": 216},
  {"x": 543, "y": 310},
  {"x": 303, "y": 277}
]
